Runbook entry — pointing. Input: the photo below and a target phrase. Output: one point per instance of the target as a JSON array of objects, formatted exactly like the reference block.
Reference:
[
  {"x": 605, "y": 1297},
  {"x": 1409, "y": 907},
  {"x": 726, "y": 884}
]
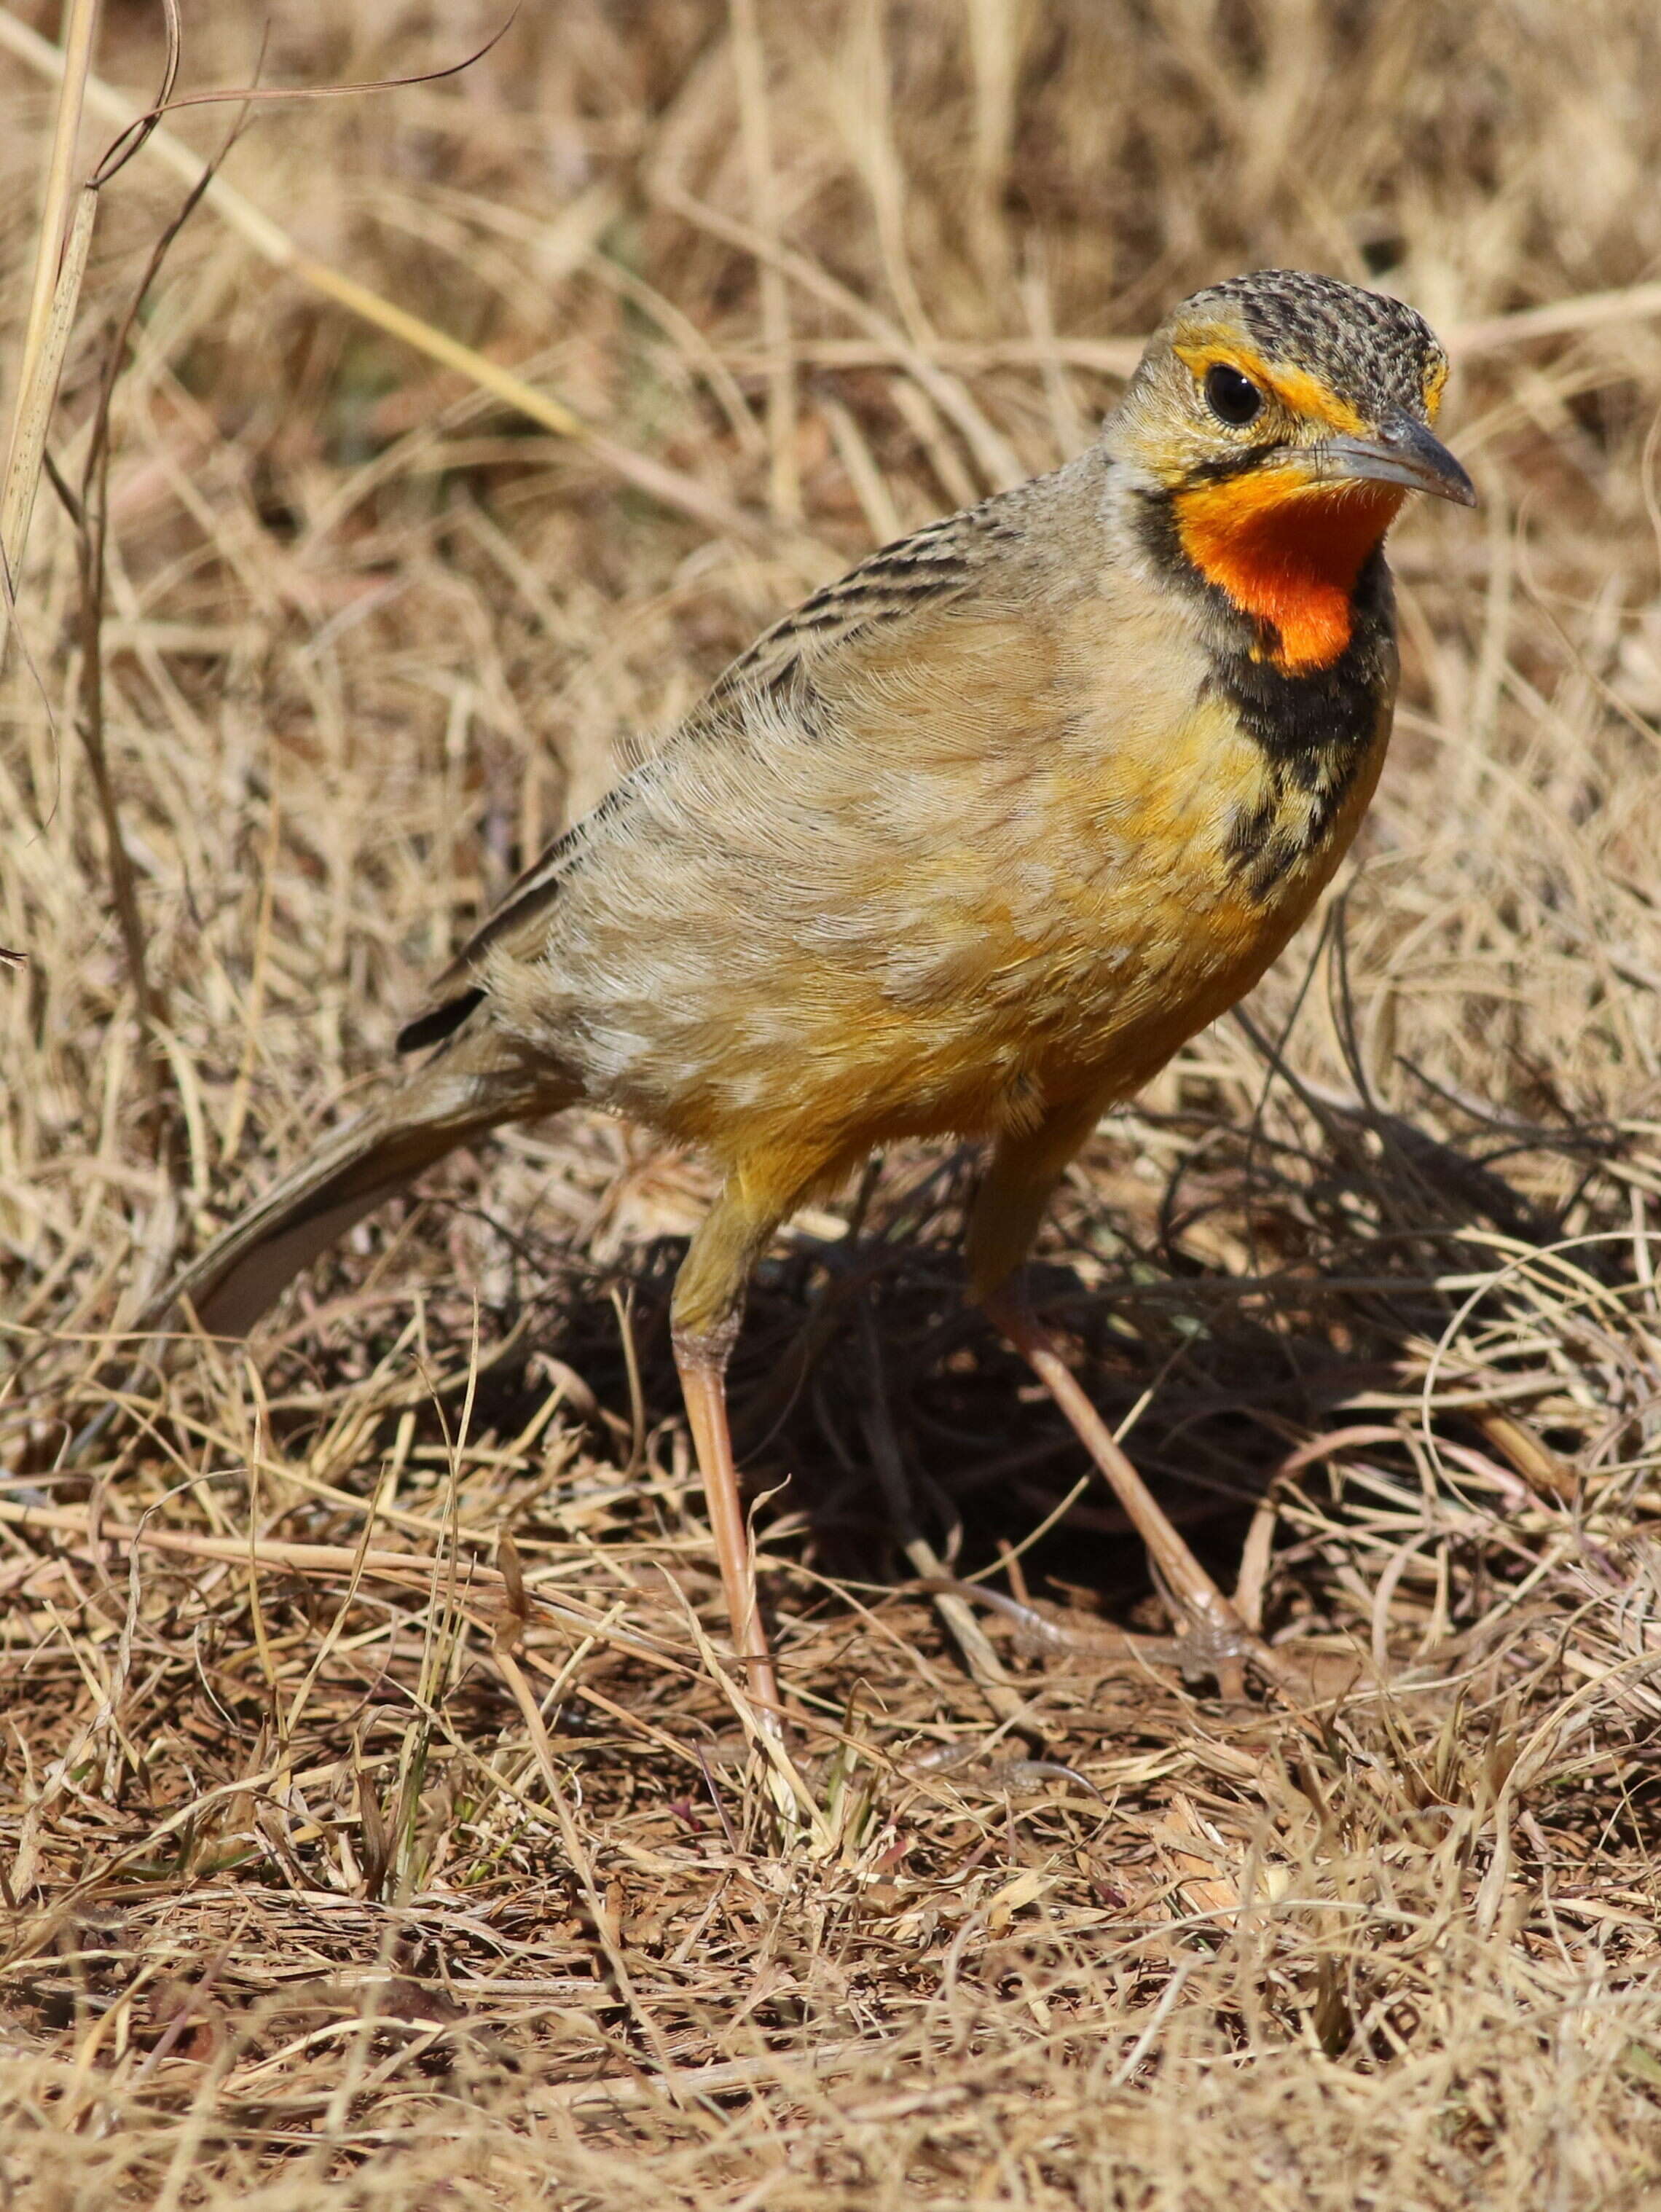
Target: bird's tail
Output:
[{"x": 461, "y": 1093}]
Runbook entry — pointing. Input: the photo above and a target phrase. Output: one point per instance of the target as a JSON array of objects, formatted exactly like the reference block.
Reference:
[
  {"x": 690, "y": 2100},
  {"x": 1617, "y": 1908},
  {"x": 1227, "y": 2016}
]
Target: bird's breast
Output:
[
  {"x": 1160, "y": 887},
  {"x": 972, "y": 893}
]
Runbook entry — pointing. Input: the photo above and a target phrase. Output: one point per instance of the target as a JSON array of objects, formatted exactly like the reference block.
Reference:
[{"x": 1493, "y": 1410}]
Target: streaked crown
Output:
[{"x": 1376, "y": 351}]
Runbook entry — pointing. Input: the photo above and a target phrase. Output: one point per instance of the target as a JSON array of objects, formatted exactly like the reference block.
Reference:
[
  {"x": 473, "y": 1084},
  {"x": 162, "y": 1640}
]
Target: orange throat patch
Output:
[{"x": 1287, "y": 552}]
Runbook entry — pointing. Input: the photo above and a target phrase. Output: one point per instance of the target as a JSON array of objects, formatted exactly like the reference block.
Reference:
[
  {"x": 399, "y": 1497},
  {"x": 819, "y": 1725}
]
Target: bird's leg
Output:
[
  {"x": 1216, "y": 1635},
  {"x": 705, "y": 1317},
  {"x": 702, "y": 1363},
  {"x": 1023, "y": 1172}
]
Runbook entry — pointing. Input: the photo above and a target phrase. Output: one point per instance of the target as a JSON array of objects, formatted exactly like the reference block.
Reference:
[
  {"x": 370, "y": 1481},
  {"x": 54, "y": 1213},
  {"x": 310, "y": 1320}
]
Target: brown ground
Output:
[{"x": 306, "y": 1898}]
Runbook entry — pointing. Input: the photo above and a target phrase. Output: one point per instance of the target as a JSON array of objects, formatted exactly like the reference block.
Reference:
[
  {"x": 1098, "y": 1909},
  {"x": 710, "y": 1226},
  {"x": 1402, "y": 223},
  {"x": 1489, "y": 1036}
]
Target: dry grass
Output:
[{"x": 316, "y": 1885}]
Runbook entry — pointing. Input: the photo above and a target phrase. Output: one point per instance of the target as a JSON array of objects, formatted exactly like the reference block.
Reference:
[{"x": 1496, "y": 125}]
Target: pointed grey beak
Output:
[{"x": 1402, "y": 453}]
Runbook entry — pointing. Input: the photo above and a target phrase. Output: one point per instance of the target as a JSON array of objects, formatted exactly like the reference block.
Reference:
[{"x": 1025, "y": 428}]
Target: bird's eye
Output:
[{"x": 1232, "y": 397}]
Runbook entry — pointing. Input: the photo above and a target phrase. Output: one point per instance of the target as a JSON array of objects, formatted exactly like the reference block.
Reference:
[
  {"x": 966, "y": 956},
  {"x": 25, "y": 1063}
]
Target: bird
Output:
[{"x": 966, "y": 845}]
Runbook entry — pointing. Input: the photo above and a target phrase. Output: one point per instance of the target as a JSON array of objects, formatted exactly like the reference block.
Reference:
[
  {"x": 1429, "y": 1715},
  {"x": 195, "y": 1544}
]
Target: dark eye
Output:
[{"x": 1232, "y": 397}]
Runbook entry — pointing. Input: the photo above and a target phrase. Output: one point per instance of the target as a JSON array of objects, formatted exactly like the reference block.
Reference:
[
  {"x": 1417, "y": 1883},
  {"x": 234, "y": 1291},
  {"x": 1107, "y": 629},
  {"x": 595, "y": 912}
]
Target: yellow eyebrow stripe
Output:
[{"x": 1299, "y": 392}]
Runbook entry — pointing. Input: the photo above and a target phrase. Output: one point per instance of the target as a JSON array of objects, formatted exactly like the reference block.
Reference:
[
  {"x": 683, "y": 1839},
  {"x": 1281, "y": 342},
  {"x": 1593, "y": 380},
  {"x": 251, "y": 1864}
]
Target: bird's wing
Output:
[
  {"x": 899, "y": 584},
  {"x": 916, "y": 575}
]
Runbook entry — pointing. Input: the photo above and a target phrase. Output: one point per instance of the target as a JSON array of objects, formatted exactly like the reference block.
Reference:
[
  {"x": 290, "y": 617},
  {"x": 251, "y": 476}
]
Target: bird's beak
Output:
[{"x": 1401, "y": 452}]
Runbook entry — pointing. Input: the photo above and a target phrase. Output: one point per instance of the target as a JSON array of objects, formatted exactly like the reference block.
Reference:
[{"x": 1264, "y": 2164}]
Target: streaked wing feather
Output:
[{"x": 933, "y": 564}]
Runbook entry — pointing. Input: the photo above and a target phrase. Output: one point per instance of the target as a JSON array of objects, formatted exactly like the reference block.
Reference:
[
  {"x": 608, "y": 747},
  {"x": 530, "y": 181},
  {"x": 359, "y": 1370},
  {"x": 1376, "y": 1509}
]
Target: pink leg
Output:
[
  {"x": 1215, "y": 1634},
  {"x": 1023, "y": 1173},
  {"x": 702, "y": 1365},
  {"x": 706, "y": 1314}
]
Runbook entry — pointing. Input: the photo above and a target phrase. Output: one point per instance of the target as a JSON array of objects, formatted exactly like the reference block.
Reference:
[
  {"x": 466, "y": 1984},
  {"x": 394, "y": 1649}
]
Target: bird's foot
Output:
[
  {"x": 1206, "y": 1648},
  {"x": 1216, "y": 1636}
]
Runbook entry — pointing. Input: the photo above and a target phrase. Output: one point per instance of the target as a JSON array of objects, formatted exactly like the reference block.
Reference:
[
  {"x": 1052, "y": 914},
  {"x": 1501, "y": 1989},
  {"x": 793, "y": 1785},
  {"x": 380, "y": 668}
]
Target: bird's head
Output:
[{"x": 1275, "y": 423}]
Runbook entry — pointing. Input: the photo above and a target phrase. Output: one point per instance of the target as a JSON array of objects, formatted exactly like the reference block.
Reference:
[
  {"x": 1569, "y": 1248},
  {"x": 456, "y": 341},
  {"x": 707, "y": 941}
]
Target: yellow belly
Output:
[{"x": 1062, "y": 954}]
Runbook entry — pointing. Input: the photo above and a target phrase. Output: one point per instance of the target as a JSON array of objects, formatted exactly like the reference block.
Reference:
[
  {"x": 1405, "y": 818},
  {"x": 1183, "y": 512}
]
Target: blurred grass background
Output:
[{"x": 293, "y": 1910}]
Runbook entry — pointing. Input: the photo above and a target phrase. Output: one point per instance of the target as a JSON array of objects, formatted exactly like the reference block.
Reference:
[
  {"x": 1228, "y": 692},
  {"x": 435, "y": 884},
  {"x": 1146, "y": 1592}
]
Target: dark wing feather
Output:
[
  {"x": 934, "y": 563},
  {"x": 454, "y": 994}
]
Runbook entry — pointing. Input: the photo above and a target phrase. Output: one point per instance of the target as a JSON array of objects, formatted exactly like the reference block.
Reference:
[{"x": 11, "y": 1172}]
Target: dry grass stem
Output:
[{"x": 382, "y": 1820}]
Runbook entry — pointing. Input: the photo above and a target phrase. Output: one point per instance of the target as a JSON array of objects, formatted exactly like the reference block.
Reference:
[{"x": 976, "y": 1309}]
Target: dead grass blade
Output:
[
  {"x": 381, "y": 1818},
  {"x": 675, "y": 490}
]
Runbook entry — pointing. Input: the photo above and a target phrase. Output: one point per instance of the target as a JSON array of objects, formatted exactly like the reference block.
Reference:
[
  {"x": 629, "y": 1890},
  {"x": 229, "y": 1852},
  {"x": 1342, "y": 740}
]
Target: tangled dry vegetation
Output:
[{"x": 348, "y": 1850}]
